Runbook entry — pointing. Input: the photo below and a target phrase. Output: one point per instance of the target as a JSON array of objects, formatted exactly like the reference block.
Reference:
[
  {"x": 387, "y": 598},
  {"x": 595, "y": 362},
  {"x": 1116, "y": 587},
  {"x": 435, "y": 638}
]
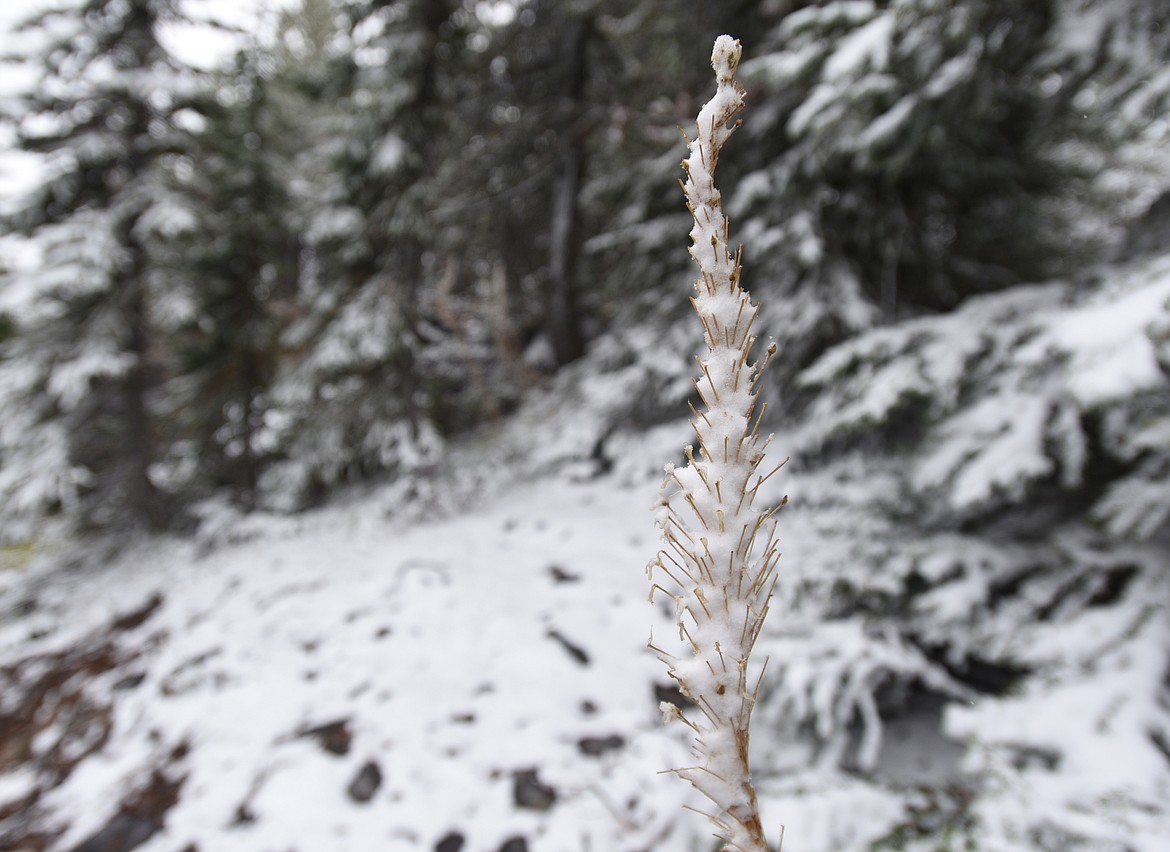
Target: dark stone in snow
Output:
[
  {"x": 574, "y": 651},
  {"x": 366, "y": 783},
  {"x": 129, "y": 682},
  {"x": 334, "y": 737},
  {"x": 529, "y": 792},
  {"x": 560, "y": 575},
  {"x": 597, "y": 746},
  {"x": 515, "y": 844},
  {"x": 452, "y": 841},
  {"x": 133, "y": 619},
  {"x": 670, "y": 693}
]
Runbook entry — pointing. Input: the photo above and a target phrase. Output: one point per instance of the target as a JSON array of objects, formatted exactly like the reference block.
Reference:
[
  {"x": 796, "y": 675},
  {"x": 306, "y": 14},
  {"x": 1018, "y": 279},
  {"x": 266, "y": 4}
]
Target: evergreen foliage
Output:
[
  {"x": 915, "y": 153},
  {"x": 370, "y": 381},
  {"x": 1001, "y": 547},
  {"x": 240, "y": 265},
  {"x": 80, "y": 376},
  {"x": 978, "y": 484}
]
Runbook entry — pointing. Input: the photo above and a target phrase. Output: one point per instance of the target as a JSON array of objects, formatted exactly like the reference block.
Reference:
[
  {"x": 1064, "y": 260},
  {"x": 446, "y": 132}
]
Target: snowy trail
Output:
[{"x": 491, "y": 667}]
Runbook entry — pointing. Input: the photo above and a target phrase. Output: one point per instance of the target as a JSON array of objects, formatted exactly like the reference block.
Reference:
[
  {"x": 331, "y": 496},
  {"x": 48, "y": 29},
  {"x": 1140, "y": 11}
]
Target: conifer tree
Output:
[
  {"x": 103, "y": 112},
  {"x": 240, "y": 265},
  {"x": 360, "y": 395},
  {"x": 910, "y": 159}
]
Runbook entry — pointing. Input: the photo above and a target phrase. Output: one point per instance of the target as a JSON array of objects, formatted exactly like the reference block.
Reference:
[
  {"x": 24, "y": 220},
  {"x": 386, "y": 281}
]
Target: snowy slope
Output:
[
  {"x": 462, "y": 656},
  {"x": 973, "y": 649}
]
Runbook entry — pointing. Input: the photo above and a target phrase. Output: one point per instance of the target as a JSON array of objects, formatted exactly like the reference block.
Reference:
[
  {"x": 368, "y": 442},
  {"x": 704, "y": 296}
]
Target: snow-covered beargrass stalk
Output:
[{"x": 719, "y": 557}]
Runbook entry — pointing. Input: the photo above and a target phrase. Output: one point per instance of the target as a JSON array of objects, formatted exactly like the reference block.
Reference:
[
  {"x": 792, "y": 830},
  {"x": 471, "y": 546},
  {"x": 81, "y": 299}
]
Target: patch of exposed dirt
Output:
[
  {"x": 140, "y": 815},
  {"x": 52, "y": 719}
]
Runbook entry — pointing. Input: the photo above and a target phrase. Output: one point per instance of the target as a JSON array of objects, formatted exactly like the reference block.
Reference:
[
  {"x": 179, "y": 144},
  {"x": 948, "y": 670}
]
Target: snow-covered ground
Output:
[{"x": 492, "y": 667}]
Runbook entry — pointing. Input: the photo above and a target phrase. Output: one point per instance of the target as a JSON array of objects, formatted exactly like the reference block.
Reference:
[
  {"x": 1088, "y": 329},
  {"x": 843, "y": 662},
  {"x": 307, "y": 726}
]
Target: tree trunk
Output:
[
  {"x": 137, "y": 446},
  {"x": 563, "y": 321}
]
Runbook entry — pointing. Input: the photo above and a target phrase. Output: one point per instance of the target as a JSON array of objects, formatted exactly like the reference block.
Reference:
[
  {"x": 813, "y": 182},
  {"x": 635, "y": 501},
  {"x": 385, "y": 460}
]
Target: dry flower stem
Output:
[{"x": 706, "y": 511}]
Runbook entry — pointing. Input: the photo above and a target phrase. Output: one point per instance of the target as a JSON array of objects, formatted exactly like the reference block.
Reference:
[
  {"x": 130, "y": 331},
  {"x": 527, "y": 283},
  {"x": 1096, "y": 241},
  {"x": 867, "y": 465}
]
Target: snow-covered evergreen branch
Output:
[{"x": 719, "y": 557}]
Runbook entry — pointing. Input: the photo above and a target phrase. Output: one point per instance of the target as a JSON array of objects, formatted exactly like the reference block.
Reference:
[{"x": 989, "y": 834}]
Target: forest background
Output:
[{"x": 419, "y": 256}]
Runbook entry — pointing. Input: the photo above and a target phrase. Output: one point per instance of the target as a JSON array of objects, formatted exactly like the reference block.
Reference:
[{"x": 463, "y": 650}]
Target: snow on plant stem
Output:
[{"x": 719, "y": 557}]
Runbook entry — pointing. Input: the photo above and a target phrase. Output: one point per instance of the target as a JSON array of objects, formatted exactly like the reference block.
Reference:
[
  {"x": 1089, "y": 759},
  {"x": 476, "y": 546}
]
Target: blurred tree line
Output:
[{"x": 387, "y": 222}]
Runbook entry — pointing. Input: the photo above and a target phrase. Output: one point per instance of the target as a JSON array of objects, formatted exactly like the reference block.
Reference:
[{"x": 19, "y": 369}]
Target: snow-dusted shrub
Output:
[
  {"x": 973, "y": 650},
  {"x": 1020, "y": 534},
  {"x": 980, "y": 525},
  {"x": 719, "y": 557}
]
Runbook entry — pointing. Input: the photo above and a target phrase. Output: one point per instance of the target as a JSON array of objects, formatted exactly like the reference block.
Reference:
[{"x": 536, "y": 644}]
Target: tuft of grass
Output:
[{"x": 13, "y": 557}]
